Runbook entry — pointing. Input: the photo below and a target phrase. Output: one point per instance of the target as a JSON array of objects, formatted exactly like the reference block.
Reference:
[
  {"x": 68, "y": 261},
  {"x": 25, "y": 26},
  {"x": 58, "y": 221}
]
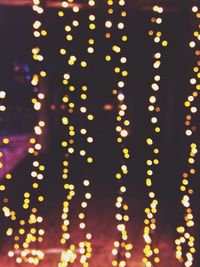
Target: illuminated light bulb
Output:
[
  {"x": 152, "y": 210},
  {"x": 124, "y": 133},
  {"x": 34, "y": 149},
  {"x": 120, "y": 25},
  {"x": 91, "y": 2},
  {"x": 188, "y": 132},
  {"x": 82, "y": 109},
  {"x": 83, "y": 64},
  {"x": 120, "y": 120},
  {"x": 108, "y": 24},
  {"x": 192, "y": 44},
  {"x": 116, "y": 49},
  {"x": 92, "y": 17},
  {"x": 90, "y": 50},
  {"x": 69, "y": 38},
  {"x": 152, "y": 99},
  {"x": 63, "y": 51},
  {"x": 60, "y": 13},
  {"x": 82, "y": 152},
  {"x": 2, "y": 94},
  {"x": 120, "y": 84},
  {"x": 164, "y": 43},
  {"x": 75, "y": 23},
  {"x": 90, "y": 117},
  {"x": 123, "y": 60},
  {"x": 2, "y": 108},
  {"x": 155, "y": 87},
  {"x": 183, "y": 247},
  {"x": 65, "y": 4},
  {"x": 120, "y": 97},
  {"x": 154, "y": 120},
  {"x": 193, "y": 81}
]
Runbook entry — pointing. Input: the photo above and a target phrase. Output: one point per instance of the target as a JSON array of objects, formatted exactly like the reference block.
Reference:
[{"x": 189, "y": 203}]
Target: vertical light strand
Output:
[
  {"x": 30, "y": 230},
  {"x": 5, "y": 176},
  {"x": 68, "y": 143},
  {"x": 9, "y": 213},
  {"x": 5, "y": 141},
  {"x": 185, "y": 243},
  {"x": 116, "y": 36},
  {"x": 85, "y": 247},
  {"x": 78, "y": 135},
  {"x": 151, "y": 251}
]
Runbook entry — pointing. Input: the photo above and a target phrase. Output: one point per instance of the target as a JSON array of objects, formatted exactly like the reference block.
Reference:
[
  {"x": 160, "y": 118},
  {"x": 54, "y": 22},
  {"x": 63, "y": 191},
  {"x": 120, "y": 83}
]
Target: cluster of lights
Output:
[
  {"x": 85, "y": 246},
  {"x": 33, "y": 233},
  {"x": 5, "y": 140},
  {"x": 83, "y": 250},
  {"x": 185, "y": 244},
  {"x": 68, "y": 144},
  {"x": 2, "y": 104},
  {"x": 7, "y": 211},
  {"x": 122, "y": 247},
  {"x": 151, "y": 252}
]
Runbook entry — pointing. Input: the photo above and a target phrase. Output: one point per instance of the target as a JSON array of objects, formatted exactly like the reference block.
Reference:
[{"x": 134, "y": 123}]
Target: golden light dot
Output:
[
  {"x": 2, "y": 187},
  {"x": 35, "y": 185},
  {"x": 62, "y": 51},
  {"x": 108, "y": 58},
  {"x": 60, "y": 13},
  {"x": 40, "y": 198},
  {"x": 64, "y": 144},
  {"x": 69, "y": 37},
  {"x": 83, "y": 64},
  {"x": 82, "y": 152},
  {"x": 116, "y": 49},
  {"x": 75, "y": 23},
  {"x": 8, "y": 176},
  {"x": 90, "y": 117},
  {"x": 89, "y": 159},
  {"x": 124, "y": 38},
  {"x": 6, "y": 140},
  {"x": 86, "y": 182},
  {"x": 90, "y": 139},
  {"x": 92, "y": 26},
  {"x": 149, "y": 141},
  {"x": 164, "y": 43}
]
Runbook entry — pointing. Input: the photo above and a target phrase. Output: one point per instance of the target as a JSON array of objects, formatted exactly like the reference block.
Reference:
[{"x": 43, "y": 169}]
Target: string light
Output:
[
  {"x": 8, "y": 212},
  {"x": 151, "y": 252},
  {"x": 77, "y": 141},
  {"x": 185, "y": 243},
  {"x": 76, "y": 135},
  {"x": 33, "y": 232},
  {"x": 121, "y": 248},
  {"x": 68, "y": 255},
  {"x": 85, "y": 247},
  {"x": 5, "y": 140}
]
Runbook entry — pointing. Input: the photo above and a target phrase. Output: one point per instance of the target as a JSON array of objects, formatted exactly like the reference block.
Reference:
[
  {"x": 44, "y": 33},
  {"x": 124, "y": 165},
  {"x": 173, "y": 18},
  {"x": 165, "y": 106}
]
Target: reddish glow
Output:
[{"x": 108, "y": 107}]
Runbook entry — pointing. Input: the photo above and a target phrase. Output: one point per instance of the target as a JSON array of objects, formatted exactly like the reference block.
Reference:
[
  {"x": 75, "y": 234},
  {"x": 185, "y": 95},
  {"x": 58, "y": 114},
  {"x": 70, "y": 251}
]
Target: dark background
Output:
[{"x": 176, "y": 70}]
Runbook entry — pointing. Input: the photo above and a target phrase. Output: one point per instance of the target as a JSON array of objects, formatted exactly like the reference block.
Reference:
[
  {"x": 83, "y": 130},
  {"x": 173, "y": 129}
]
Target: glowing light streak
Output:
[
  {"x": 185, "y": 243},
  {"x": 29, "y": 230},
  {"x": 151, "y": 252},
  {"x": 83, "y": 249},
  {"x": 122, "y": 248}
]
